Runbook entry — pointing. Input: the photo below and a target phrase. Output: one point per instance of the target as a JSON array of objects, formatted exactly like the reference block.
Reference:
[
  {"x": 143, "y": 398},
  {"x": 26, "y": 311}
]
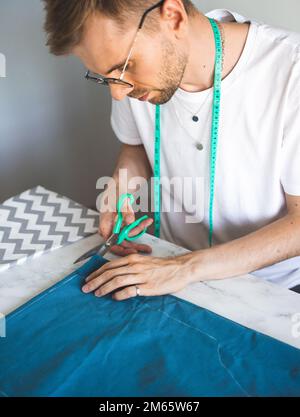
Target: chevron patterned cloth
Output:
[{"x": 40, "y": 220}]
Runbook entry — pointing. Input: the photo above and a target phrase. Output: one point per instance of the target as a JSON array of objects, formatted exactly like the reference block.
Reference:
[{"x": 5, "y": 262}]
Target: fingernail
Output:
[{"x": 85, "y": 289}]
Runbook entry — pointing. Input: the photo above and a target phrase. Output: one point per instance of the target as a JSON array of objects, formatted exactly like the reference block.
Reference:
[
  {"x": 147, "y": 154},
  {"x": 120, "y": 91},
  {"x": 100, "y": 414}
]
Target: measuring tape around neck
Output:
[
  {"x": 157, "y": 197},
  {"x": 214, "y": 140}
]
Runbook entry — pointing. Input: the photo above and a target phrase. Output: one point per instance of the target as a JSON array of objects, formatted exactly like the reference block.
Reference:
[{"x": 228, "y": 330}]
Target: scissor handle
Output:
[
  {"x": 124, "y": 233},
  {"x": 120, "y": 203}
]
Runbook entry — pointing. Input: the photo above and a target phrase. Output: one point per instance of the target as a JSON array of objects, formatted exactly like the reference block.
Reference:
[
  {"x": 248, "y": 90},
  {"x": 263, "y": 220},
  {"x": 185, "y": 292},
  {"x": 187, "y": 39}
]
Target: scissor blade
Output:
[
  {"x": 90, "y": 253},
  {"x": 100, "y": 249}
]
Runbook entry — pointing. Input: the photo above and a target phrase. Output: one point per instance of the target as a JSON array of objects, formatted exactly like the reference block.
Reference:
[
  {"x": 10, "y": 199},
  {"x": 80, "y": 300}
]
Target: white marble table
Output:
[{"x": 247, "y": 300}]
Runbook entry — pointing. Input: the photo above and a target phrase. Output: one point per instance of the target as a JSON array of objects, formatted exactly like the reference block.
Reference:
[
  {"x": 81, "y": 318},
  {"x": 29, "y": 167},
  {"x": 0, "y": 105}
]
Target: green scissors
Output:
[{"x": 118, "y": 235}]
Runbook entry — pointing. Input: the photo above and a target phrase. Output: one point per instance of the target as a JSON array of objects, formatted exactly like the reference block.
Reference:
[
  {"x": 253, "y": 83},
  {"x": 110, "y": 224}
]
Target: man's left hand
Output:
[{"x": 154, "y": 276}]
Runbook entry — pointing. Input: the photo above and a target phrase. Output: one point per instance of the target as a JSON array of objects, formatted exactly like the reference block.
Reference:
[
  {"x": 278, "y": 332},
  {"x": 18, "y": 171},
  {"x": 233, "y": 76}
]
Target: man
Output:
[{"x": 172, "y": 63}]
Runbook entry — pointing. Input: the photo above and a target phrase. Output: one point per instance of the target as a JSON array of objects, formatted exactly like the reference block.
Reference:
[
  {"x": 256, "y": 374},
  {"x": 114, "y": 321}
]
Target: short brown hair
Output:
[{"x": 65, "y": 19}]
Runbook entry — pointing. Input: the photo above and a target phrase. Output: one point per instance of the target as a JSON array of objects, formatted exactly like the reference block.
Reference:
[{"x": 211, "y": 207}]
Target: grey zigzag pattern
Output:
[{"x": 53, "y": 229}]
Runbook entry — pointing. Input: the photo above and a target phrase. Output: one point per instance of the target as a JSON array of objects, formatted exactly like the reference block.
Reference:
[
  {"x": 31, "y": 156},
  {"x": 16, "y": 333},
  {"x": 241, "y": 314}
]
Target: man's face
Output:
[{"x": 156, "y": 66}]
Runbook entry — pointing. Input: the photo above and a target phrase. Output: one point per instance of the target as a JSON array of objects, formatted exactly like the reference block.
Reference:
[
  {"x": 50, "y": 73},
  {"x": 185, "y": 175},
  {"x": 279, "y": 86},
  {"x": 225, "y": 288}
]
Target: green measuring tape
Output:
[
  {"x": 214, "y": 140},
  {"x": 157, "y": 197}
]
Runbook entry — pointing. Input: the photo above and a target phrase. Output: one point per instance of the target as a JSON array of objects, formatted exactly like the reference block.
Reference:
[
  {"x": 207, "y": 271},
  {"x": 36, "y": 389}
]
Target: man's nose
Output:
[{"x": 119, "y": 92}]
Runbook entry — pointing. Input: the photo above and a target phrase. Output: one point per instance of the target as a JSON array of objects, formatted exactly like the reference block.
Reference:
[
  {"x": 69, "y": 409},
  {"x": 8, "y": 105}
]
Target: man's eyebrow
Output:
[{"x": 121, "y": 65}]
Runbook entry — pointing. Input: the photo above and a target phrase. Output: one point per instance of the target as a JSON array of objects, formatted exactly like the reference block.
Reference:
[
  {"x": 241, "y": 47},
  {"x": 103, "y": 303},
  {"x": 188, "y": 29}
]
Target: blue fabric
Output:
[{"x": 66, "y": 343}]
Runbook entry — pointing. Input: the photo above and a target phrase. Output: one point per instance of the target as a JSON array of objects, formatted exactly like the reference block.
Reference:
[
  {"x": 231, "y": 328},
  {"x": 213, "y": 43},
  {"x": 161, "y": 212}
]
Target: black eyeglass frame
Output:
[{"x": 101, "y": 80}]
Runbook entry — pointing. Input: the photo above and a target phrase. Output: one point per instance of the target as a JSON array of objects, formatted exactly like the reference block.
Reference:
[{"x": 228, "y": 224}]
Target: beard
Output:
[{"x": 170, "y": 74}]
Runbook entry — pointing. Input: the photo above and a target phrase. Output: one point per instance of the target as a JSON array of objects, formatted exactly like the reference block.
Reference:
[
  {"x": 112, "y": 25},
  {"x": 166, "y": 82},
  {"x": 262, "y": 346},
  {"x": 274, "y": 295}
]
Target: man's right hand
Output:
[{"x": 106, "y": 225}]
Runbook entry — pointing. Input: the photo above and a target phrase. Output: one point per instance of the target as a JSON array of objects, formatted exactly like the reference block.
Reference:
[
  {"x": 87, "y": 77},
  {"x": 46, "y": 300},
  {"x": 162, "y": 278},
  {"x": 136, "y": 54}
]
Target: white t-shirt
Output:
[{"x": 258, "y": 155}]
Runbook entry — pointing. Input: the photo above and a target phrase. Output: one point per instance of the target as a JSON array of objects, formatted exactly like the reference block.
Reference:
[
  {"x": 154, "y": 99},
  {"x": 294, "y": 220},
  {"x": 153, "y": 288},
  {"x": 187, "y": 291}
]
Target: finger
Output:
[
  {"x": 106, "y": 224},
  {"x": 104, "y": 277},
  {"x": 130, "y": 292},
  {"x": 143, "y": 225},
  {"x": 118, "y": 282},
  {"x": 128, "y": 212},
  {"x": 137, "y": 246},
  {"x": 116, "y": 263},
  {"x": 121, "y": 251}
]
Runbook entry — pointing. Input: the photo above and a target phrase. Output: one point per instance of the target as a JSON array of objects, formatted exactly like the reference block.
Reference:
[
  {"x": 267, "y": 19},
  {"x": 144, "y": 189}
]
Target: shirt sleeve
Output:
[
  {"x": 123, "y": 123},
  {"x": 290, "y": 168}
]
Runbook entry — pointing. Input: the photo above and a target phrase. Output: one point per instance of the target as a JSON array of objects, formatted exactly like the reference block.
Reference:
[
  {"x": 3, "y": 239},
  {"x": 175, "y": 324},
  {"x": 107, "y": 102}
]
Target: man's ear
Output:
[{"x": 173, "y": 14}]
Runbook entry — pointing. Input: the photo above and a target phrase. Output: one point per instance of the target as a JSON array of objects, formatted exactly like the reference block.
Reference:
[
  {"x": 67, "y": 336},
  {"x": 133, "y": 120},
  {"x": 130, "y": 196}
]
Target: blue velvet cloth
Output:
[{"x": 66, "y": 343}]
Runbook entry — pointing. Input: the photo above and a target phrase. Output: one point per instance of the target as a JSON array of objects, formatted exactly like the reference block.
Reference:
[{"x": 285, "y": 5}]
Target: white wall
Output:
[{"x": 54, "y": 125}]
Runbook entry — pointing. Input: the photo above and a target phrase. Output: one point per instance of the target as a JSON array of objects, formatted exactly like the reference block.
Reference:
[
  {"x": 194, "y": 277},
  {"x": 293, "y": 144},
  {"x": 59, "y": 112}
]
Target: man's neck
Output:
[{"x": 199, "y": 73}]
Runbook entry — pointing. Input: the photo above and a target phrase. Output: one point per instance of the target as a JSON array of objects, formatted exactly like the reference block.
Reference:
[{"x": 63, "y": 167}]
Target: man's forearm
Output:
[
  {"x": 134, "y": 160},
  {"x": 273, "y": 243}
]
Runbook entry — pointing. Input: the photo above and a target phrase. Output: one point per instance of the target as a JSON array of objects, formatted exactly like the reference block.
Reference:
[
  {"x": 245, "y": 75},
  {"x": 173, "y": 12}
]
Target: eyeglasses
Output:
[{"x": 99, "y": 79}]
